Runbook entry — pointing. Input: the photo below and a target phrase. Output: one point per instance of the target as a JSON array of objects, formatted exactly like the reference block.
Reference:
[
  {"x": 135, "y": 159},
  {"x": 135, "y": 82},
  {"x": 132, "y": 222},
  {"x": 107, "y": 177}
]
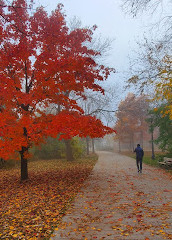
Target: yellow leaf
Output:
[{"x": 15, "y": 235}]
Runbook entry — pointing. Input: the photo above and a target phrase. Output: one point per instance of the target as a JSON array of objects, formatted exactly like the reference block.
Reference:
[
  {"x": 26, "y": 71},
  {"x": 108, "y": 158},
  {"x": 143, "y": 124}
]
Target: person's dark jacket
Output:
[{"x": 139, "y": 153}]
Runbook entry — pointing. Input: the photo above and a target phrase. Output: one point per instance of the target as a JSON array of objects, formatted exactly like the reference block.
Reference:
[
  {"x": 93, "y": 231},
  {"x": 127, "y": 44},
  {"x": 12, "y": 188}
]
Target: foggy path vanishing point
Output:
[{"x": 118, "y": 203}]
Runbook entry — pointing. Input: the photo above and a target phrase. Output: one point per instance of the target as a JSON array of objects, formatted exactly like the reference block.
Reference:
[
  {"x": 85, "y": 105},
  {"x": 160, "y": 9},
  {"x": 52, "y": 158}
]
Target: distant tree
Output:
[
  {"x": 163, "y": 89},
  {"x": 164, "y": 124},
  {"x": 101, "y": 106},
  {"x": 150, "y": 121},
  {"x": 131, "y": 115}
]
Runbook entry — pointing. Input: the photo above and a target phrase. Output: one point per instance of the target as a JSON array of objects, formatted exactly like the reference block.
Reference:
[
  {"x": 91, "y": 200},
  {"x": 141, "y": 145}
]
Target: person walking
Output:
[{"x": 139, "y": 157}]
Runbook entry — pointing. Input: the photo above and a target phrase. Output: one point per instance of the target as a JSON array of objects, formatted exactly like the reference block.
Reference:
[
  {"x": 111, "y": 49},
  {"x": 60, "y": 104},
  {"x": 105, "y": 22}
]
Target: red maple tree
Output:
[{"x": 41, "y": 63}]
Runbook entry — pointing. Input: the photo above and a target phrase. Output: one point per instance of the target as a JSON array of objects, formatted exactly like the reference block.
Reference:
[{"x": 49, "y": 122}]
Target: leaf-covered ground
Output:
[
  {"x": 32, "y": 209},
  {"x": 118, "y": 203}
]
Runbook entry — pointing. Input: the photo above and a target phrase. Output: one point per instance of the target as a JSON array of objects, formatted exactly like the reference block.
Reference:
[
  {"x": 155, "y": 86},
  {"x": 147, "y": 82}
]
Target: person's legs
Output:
[
  {"x": 137, "y": 163},
  {"x": 140, "y": 165}
]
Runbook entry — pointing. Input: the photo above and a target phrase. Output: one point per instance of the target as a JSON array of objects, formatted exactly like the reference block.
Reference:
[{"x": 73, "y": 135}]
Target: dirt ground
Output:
[{"x": 117, "y": 202}]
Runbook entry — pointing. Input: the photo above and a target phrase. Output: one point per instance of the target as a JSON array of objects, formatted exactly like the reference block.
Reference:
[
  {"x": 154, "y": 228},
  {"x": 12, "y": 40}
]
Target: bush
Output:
[
  {"x": 78, "y": 147},
  {"x": 52, "y": 149},
  {"x": 55, "y": 149}
]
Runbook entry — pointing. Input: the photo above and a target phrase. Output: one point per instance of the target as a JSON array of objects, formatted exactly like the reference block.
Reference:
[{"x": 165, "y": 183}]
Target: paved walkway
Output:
[{"x": 118, "y": 203}]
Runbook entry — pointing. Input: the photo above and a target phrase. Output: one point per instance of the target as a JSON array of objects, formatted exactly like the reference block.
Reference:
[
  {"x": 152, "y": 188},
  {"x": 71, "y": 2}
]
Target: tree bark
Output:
[
  {"x": 132, "y": 142},
  {"x": 2, "y": 161},
  {"x": 87, "y": 142},
  {"x": 141, "y": 138},
  {"x": 93, "y": 148},
  {"x": 153, "y": 152},
  {"x": 119, "y": 145},
  {"x": 69, "y": 153},
  {"x": 24, "y": 167}
]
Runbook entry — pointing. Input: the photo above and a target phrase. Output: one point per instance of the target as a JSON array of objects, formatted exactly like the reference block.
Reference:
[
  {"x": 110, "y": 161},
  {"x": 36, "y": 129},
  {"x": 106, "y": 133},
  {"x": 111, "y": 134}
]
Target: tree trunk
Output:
[
  {"x": 93, "y": 148},
  {"x": 119, "y": 145},
  {"x": 153, "y": 153},
  {"x": 141, "y": 139},
  {"x": 87, "y": 142},
  {"x": 69, "y": 153},
  {"x": 2, "y": 161},
  {"x": 24, "y": 168},
  {"x": 132, "y": 142}
]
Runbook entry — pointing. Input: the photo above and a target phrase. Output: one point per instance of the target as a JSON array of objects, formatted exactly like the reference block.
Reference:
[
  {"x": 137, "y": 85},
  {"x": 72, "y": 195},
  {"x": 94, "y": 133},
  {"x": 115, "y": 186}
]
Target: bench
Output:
[{"x": 166, "y": 163}]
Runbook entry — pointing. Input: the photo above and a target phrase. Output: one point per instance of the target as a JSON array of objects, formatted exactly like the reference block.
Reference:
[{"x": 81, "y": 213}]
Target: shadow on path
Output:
[{"x": 118, "y": 203}]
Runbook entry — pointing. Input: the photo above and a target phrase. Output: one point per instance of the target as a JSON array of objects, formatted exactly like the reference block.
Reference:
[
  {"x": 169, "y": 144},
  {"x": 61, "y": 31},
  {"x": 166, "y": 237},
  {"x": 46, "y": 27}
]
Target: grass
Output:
[{"x": 33, "y": 209}]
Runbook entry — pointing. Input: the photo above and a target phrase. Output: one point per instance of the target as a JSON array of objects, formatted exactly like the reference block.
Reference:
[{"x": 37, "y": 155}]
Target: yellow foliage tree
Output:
[{"x": 163, "y": 89}]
